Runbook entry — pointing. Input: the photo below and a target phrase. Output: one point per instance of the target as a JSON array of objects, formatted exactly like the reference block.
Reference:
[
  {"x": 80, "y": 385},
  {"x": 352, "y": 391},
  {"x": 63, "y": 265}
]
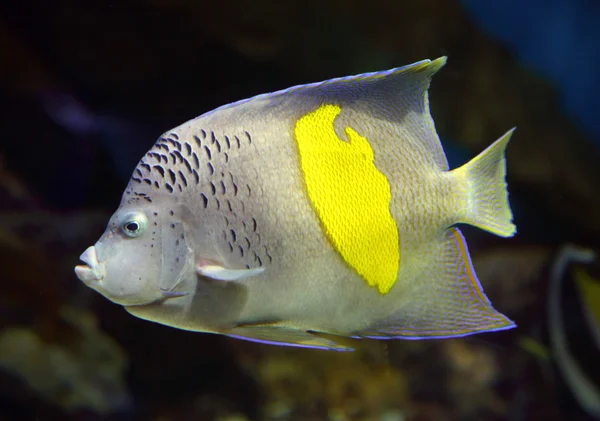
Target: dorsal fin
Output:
[{"x": 398, "y": 95}]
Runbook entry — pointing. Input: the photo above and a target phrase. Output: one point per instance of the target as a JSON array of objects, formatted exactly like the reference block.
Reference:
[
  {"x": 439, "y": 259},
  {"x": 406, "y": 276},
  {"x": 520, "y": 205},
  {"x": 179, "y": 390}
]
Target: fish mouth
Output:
[{"x": 92, "y": 272}]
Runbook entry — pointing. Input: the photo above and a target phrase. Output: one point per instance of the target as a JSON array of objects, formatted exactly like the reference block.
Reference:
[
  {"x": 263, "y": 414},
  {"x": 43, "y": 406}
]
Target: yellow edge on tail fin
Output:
[{"x": 487, "y": 204}]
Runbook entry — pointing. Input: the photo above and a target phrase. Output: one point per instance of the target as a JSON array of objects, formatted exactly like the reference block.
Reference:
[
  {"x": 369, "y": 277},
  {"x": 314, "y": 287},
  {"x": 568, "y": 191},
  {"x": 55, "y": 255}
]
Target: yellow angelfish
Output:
[{"x": 292, "y": 217}]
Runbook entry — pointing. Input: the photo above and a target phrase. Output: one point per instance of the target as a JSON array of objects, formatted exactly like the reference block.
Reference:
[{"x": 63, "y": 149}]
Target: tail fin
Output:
[{"x": 487, "y": 197}]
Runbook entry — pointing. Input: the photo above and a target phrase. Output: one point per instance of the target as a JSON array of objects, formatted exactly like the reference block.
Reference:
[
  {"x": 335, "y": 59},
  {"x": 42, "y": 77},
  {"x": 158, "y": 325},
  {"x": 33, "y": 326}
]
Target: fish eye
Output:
[{"x": 134, "y": 224}]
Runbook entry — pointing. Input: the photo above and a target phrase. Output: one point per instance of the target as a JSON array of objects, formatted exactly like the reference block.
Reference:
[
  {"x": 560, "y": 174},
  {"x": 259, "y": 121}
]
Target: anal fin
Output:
[
  {"x": 445, "y": 301},
  {"x": 286, "y": 336}
]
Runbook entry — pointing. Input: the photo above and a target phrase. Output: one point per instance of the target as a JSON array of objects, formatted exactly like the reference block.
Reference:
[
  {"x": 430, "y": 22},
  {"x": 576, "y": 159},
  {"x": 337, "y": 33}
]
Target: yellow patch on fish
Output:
[{"x": 351, "y": 196}]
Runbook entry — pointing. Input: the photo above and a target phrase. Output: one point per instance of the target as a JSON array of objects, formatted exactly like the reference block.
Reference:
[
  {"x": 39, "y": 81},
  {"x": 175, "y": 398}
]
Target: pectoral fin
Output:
[
  {"x": 213, "y": 270},
  {"x": 285, "y": 336}
]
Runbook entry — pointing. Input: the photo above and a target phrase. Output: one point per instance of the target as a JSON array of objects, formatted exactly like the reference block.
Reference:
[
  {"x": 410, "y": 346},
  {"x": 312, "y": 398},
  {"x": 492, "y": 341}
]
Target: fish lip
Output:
[{"x": 92, "y": 272}]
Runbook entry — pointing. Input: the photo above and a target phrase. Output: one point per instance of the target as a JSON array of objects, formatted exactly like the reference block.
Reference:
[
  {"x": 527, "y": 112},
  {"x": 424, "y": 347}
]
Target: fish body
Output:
[{"x": 324, "y": 208}]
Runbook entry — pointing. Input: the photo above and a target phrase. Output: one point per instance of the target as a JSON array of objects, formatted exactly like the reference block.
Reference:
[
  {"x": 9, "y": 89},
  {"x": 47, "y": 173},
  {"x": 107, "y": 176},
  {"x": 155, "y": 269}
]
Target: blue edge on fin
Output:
[{"x": 264, "y": 341}]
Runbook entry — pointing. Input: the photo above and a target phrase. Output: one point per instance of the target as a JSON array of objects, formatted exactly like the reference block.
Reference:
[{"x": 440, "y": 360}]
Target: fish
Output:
[
  {"x": 573, "y": 313},
  {"x": 321, "y": 211}
]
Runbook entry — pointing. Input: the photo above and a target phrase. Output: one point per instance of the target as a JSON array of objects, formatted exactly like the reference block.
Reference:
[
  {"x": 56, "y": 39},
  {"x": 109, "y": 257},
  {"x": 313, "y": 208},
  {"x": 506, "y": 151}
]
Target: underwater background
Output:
[{"x": 88, "y": 86}]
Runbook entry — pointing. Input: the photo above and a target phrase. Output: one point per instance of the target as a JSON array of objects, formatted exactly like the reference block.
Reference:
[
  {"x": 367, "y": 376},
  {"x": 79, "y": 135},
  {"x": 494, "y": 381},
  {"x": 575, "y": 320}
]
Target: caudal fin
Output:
[{"x": 487, "y": 198}]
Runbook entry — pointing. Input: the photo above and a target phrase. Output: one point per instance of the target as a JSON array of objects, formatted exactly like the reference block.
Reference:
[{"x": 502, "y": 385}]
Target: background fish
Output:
[
  {"x": 326, "y": 208},
  {"x": 573, "y": 320}
]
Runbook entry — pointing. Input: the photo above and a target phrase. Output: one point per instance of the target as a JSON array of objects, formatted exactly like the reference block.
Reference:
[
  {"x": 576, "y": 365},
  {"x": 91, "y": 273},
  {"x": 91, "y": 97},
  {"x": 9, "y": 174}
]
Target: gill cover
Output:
[{"x": 176, "y": 255}]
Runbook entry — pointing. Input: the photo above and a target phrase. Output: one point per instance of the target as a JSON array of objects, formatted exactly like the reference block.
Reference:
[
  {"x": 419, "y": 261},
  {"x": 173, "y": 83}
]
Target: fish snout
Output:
[{"x": 93, "y": 271}]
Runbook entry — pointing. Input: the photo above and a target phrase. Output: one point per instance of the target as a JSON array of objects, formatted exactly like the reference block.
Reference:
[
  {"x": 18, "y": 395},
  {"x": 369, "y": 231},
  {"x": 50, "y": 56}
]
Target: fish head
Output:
[{"x": 141, "y": 258}]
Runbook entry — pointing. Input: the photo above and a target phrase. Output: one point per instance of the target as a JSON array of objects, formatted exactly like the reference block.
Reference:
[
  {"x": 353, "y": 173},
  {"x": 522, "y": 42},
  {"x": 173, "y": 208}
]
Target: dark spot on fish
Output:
[
  {"x": 247, "y": 266},
  {"x": 249, "y": 190},
  {"x": 241, "y": 250},
  {"x": 180, "y": 188},
  {"x": 223, "y": 189},
  {"x": 160, "y": 169},
  {"x": 204, "y": 200},
  {"x": 183, "y": 178},
  {"x": 226, "y": 157},
  {"x": 228, "y": 142},
  {"x": 187, "y": 164},
  {"x": 243, "y": 207},
  {"x": 244, "y": 225},
  {"x": 169, "y": 187},
  {"x": 188, "y": 148},
  {"x": 218, "y": 145},
  {"x": 247, "y": 242},
  {"x": 177, "y": 259},
  {"x": 148, "y": 181},
  {"x": 203, "y": 133},
  {"x": 249, "y": 137},
  {"x": 139, "y": 279},
  {"x": 162, "y": 146},
  {"x": 233, "y": 235},
  {"x": 138, "y": 172},
  {"x": 155, "y": 213},
  {"x": 173, "y": 176},
  {"x": 181, "y": 236},
  {"x": 226, "y": 221},
  {"x": 198, "y": 141},
  {"x": 230, "y": 247},
  {"x": 208, "y": 153},
  {"x": 165, "y": 158},
  {"x": 235, "y": 189},
  {"x": 146, "y": 166},
  {"x": 258, "y": 259},
  {"x": 156, "y": 185},
  {"x": 196, "y": 176},
  {"x": 175, "y": 143},
  {"x": 211, "y": 169},
  {"x": 237, "y": 139},
  {"x": 196, "y": 160},
  {"x": 172, "y": 225},
  {"x": 218, "y": 203},
  {"x": 155, "y": 224},
  {"x": 213, "y": 138},
  {"x": 152, "y": 245},
  {"x": 176, "y": 242},
  {"x": 229, "y": 205},
  {"x": 174, "y": 135},
  {"x": 213, "y": 189},
  {"x": 180, "y": 156},
  {"x": 148, "y": 199},
  {"x": 171, "y": 213},
  {"x": 268, "y": 255},
  {"x": 173, "y": 158}
]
